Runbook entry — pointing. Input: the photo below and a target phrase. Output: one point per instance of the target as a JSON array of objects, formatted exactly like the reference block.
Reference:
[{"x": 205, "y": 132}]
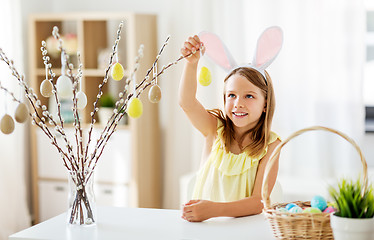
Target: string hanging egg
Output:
[
  {"x": 205, "y": 76},
  {"x": 135, "y": 108},
  {"x": 46, "y": 86},
  {"x": 7, "y": 124},
  {"x": 154, "y": 94},
  {"x": 21, "y": 113}
]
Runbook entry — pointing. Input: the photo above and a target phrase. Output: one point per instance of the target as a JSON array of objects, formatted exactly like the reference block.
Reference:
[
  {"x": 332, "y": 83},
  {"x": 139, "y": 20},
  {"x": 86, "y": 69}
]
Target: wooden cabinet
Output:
[{"x": 128, "y": 172}]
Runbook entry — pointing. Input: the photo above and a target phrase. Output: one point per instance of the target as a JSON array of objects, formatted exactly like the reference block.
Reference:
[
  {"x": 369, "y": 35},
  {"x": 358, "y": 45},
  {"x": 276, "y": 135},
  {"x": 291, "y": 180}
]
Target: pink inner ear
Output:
[
  {"x": 215, "y": 49},
  {"x": 268, "y": 46}
]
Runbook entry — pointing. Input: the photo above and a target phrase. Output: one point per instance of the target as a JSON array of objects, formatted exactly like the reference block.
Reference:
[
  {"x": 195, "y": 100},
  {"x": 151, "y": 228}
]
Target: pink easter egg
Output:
[{"x": 329, "y": 210}]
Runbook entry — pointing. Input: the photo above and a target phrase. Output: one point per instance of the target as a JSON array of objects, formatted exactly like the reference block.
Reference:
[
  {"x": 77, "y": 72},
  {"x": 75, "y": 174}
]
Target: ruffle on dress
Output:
[{"x": 231, "y": 164}]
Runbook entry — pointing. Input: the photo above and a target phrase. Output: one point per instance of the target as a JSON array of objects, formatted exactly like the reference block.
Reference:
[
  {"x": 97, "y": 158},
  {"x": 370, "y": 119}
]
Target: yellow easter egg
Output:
[
  {"x": 7, "y": 124},
  {"x": 205, "y": 77},
  {"x": 21, "y": 113},
  {"x": 154, "y": 94},
  {"x": 117, "y": 71},
  {"x": 135, "y": 108}
]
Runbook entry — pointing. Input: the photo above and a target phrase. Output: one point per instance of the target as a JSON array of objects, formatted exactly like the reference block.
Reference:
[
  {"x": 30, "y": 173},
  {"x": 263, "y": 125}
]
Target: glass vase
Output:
[{"x": 82, "y": 205}]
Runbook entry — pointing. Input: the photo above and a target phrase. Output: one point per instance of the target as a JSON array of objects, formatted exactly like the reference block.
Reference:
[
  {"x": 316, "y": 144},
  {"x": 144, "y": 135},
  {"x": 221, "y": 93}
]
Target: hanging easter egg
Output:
[
  {"x": 64, "y": 87},
  {"x": 319, "y": 202},
  {"x": 154, "y": 94},
  {"x": 81, "y": 100},
  {"x": 46, "y": 88},
  {"x": 135, "y": 108},
  {"x": 21, "y": 113},
  {"x": 117, "y": 71},
  {"x": 7, "y": 124},
  {"x": 205, "y": 77}
]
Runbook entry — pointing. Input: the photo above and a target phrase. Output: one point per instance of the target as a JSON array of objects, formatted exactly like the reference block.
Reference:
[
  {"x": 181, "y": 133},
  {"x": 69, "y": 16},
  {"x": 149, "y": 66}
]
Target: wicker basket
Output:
[{"x": 287, "y": 225}]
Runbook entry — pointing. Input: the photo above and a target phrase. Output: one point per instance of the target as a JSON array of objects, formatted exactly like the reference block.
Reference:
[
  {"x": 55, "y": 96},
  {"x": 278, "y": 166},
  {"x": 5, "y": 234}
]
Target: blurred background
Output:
[{"x": 324, "y": 75}]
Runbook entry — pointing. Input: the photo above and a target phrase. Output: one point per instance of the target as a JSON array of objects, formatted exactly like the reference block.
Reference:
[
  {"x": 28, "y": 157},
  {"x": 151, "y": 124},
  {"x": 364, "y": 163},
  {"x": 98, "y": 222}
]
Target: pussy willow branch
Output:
[
  {"x": 69, "y": 66},
  {"x": 123, "y": 93},
  {"x": 11, "y": 94},
  {"x": 33, "y": 100},
  {"x": 58, "y": 128},
  {"x": 107, "y": 132},
  {"x": 115, "y": 46},
  {"x": 113, "y": 119},
  {"x": 77, "y": 123},
  {"x": 124, "y": 106},
  {"x": 132, "y": 78}
]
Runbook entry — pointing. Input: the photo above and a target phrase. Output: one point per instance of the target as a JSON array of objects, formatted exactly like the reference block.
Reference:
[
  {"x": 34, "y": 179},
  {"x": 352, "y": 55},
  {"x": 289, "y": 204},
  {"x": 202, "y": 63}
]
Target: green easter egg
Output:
[{"x": 311, "y": 210}]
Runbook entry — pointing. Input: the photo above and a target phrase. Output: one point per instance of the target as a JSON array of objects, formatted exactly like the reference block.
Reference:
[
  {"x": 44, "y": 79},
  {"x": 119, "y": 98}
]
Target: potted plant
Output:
[
  {"x": 354, "y": 218},
  {"x": 107, "y": 104}
]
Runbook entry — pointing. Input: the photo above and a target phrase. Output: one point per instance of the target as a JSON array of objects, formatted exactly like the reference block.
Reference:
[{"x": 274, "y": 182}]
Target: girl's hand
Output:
[
  {"x": 194, "y": 46},
  {"x": 199, "y": 210}
]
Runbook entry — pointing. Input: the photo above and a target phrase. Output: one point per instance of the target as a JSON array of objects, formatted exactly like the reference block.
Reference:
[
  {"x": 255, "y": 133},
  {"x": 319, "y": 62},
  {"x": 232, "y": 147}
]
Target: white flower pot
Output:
[
  {"x": 352, "y": 228},
  {"x": 104, "y": 114}
]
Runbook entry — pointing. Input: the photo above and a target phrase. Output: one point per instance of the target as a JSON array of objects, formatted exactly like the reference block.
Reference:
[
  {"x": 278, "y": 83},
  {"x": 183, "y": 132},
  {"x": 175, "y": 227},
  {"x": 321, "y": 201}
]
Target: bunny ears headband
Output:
[{"x": 268, "y": 47}]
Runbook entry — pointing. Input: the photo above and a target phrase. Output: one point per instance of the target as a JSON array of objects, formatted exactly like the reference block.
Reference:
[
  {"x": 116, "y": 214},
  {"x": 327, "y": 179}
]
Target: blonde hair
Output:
[{"x": 261, "y": 132}]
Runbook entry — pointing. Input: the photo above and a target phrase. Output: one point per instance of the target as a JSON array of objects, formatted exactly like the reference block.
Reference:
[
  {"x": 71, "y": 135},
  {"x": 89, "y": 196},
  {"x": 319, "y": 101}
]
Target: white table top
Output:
[{"x": 144, "y": 223}]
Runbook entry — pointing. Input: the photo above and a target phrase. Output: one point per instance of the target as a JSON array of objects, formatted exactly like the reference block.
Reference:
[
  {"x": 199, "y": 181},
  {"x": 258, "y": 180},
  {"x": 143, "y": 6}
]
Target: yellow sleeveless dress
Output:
[{"x": 226, "y": 176}]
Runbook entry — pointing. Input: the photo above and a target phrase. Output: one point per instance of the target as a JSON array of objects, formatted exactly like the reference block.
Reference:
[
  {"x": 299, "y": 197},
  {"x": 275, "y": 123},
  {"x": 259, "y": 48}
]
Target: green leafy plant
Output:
[
  {"x": 107, "y": 100},
  {"x": 352, "y": 200}
]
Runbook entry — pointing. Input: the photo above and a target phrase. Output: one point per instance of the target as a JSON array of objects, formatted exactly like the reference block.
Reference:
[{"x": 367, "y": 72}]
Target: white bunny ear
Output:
[
  {"x": 216, "y": 50},
  {"x": 268, "y": 47}
]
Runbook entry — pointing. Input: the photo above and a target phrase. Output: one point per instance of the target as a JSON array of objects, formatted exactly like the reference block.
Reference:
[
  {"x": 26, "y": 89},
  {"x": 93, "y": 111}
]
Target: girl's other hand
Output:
[
  {"x": 199, "y": 210},
  {"x": 194, "y": 46}
]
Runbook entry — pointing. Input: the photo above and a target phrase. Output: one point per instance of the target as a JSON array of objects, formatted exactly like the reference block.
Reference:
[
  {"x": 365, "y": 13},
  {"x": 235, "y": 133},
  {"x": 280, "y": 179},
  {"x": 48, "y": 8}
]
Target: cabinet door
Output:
[
  {"x": 111, "y": 195},
  {"x": 50, "y": 163},
  {"x": 53, "y": 198},
  {"x": 114, "y": 165}
]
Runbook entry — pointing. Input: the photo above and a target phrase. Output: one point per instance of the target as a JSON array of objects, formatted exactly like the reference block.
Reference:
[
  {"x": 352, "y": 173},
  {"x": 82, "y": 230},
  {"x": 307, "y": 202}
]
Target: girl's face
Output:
[{"x": 244, "y": 102}]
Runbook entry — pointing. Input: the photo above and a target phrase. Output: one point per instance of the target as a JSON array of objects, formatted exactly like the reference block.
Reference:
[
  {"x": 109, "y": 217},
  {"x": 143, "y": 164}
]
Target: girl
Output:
[{"x": 238, "y": 140}]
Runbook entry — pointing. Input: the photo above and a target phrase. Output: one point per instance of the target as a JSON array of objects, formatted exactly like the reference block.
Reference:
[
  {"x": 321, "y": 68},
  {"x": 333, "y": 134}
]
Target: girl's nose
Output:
[{"x": 238, "y": 103}]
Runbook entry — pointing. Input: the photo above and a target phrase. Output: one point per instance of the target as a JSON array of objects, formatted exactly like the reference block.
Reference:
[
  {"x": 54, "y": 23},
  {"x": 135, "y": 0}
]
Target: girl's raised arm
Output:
[{"x": 199, "y": 117}]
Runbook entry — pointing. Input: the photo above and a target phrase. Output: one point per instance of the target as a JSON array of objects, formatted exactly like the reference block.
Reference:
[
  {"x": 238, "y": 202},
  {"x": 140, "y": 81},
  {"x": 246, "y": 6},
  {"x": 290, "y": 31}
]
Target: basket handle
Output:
[{"x": 276, "y": 152}]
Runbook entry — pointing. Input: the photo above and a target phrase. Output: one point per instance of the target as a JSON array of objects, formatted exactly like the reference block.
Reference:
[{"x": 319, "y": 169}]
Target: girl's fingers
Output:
[
  {"x": 185, "y": 51},
  {"x": 192, "y": 201},
  {"x": 194, "y": 41},
  {"x": 187, "y": 209},
  {"x": 189, "y": 46}
]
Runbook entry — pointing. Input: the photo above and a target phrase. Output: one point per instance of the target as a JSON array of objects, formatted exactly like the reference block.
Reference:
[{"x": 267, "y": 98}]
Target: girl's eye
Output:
[
  {"x": 231, "y": 95},
  {"x": 249, "y": 96}
]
